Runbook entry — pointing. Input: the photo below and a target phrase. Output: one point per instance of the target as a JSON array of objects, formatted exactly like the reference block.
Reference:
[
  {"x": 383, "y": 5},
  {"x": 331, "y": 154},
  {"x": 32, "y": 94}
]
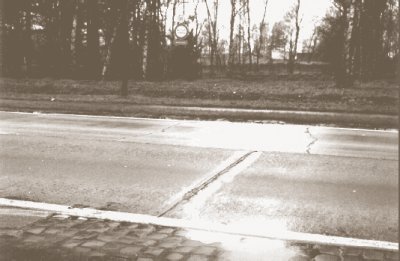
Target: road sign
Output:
[
  {"x": 181, "y": 31},
  {"x": 180, "y": 42}
]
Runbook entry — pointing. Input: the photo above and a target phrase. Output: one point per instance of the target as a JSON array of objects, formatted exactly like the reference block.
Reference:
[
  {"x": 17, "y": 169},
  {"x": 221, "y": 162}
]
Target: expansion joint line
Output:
[{"x": 193, "y": 192}]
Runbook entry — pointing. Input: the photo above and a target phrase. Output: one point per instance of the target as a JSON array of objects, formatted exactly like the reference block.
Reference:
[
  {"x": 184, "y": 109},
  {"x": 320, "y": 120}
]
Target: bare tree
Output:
[
  {"x": 293, "y": 40},
  {"x": 111, "y": 39},
  {"x": 231, "y": 36},
  {"x": 247, "y": 4},
  {"x": 1, "y": 38},
  {"x": 212, "y": 31},
  {"x": 175, "y": 3},
  {"x": 343, "y": 67},
  {"x": 93, "y": 38},
  {"x": 278, "y": 39},
  {"x": 261, "y": 37},
  {"x": 310, "y": 44}
]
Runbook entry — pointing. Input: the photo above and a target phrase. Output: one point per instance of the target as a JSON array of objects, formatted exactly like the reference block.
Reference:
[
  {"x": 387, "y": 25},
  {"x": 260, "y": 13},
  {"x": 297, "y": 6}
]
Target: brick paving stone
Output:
[
  {"x": 129, "y": 239},
  {"x": 392, "y": 255},
  {"x": 299, "y": 258},
  {"x": 197, "y": 258},
  {"x": 71, "y": 243},
  {"x": 351, "y": 258},
  {"x": 96, "y": 254},
  {"x": 169, "y": 245},
  {"x": 53, "y": 230},
  {"x": 173, "y": 239},
  {"x": 11, "y": 232},
  {"x": 166, "y": 230},
  {"x": 205, "y": 250},
  {"x": 118, "y": 232},
  {"x": 130, "y": 251},
  {"x": 81, "y": 224},
  {"x": 192, "y": 243},
  {"x": 108, "y": 237},
  {"x": 141, "y": 232},
  {"x": 94, "y": 244},
  {"x": 34, "y": 239},
  {"x": 181, "y": 233},
  {"x": 144, "y": 259},
  {"x": 133, "y": 226},
  {"x": 154, "y": 251},
  {"x": 113, "y": 224},
  {"x": 113, "y": 246},
  {"x": 330, "y": 250},
  {"x": 352, "y": 251},
  {"x": 157, "y": 236},
  {"x": 325, "y": 257},
  {"x": 70, "y": 232},
  {"x": 369, "y": 254},
  {"x": 84, "y": 235},
  {"x": 98, "y": 228},
  {"x": 184, "y": 249},
  {"x": 83, "y": 250},
  {"x": 174, "y": 256},
  {"x": 149, "y": 242},
  {"x": 36, "y": 230}
]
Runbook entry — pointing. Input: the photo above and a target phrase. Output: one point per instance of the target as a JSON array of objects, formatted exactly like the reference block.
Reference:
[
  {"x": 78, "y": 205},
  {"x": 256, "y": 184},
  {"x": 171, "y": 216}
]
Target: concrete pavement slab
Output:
[
  {"x": 141, "y": 178},
  {"x": 223, "y": 135},
  {"x": 351, "y": 197}
]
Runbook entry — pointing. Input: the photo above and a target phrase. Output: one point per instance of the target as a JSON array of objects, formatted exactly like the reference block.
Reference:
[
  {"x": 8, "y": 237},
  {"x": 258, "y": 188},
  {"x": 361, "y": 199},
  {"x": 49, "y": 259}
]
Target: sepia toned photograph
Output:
[{"x": 199, "y": 130}]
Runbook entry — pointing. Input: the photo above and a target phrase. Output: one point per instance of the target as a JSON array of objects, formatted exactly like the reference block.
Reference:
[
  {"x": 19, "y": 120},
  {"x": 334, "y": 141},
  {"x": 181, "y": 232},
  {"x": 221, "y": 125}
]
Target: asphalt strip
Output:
[{"x": 204, "y": 226}]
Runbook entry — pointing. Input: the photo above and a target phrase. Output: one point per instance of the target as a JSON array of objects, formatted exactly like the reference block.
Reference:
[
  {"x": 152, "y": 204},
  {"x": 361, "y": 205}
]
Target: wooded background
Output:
[{"x": 131, "y": 39}]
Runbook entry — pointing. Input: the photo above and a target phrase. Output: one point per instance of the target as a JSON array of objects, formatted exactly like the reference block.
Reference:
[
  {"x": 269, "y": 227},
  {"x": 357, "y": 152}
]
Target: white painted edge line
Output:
[
  {"x": 185, "y": 120},
  {"x": 24, "y": 212},
  {"x": 205, "y": 226}
]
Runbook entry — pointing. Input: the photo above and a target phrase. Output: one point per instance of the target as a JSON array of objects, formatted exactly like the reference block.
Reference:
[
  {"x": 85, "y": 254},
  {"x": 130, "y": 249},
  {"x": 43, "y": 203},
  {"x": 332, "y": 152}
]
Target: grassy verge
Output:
[{"x": 293, "y": 94}]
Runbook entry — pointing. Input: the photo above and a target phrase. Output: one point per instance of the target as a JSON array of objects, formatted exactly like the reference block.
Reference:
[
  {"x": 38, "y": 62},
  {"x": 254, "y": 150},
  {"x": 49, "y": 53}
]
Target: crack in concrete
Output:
[
  {"x": 169, "y": 127},
  {"x": 313, "y": 140},
  {"x": 194, "y": 191}
]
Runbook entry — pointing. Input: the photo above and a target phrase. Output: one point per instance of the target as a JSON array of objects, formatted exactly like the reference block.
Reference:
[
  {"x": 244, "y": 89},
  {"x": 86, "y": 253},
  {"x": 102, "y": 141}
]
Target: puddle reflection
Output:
[{"x": 235, "y": 247}]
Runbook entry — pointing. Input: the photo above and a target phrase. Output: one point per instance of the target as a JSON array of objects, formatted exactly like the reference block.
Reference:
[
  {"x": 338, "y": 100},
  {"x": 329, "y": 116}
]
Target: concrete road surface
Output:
[{"x": 286, "y": 177}]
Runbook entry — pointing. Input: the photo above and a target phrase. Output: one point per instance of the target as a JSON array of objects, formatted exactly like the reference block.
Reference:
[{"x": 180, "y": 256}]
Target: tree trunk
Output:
[
  {"x": 231, "y": 39},
  {"x": 261, "y": 36},
  {"x": 111, "y": 40},
  {"x": 211, "y": 36},
  {"x": 340, "y": 67},
  {"x": 27, "y": 44},
  {"x": 155, "y": 66},
  {"x": 93, "y": 38},
  {"x": 249, "y": 35},
  {"x": 77, "y": 40},
  {"x": 1, "y": 38},
  {"x": 173, "y": 18},
  {"x": 124, "y": 49},
  {"x": 293, "y": 47},
  {"x": 66, "y": 27}
]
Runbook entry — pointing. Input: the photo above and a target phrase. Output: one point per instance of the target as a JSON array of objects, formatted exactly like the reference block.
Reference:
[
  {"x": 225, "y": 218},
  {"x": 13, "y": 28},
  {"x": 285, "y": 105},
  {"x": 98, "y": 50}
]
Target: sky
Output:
[{"x": 311, "y": 11}]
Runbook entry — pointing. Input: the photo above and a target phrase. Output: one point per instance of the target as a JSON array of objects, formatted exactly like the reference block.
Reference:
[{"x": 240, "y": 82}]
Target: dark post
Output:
[
  {"x": 1, "y": 37},
  {"x": 125, "y": 65}
]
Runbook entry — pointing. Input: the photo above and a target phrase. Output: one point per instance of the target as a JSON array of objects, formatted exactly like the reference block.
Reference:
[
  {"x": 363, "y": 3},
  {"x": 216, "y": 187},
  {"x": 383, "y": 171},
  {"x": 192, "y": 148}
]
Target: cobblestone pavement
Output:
[{"x": 71, "y": 238}]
